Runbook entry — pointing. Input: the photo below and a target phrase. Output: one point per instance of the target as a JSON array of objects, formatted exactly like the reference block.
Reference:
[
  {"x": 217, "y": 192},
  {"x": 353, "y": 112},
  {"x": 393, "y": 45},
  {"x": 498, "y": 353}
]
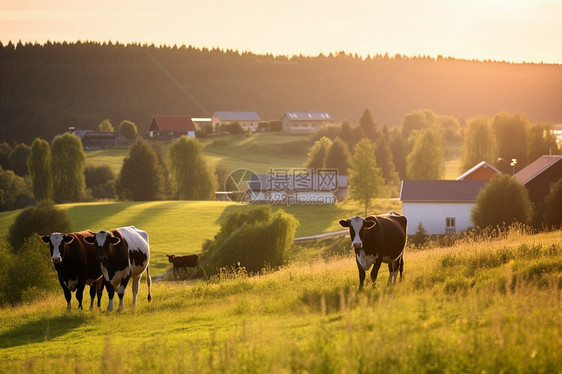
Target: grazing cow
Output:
[
  {"x": 123, "y": 253},
  {"x": 76, "y": 265},
  {"x": 179, "y": 262},
  {"x": 378, "y": 239}
]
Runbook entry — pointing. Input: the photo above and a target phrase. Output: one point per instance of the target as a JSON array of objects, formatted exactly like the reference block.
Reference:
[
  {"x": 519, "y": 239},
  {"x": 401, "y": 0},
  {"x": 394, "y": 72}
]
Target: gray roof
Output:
[
  {"x": 308, "y": 116},
  {"x": 441, "y": 191},
  {"x": 535, "y": 168},
  {"x": 237, "y": 116}
]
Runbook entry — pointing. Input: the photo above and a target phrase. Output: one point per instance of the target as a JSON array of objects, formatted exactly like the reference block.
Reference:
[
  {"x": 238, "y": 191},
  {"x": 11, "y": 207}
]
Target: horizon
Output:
[{"x": 498, "y": 30}]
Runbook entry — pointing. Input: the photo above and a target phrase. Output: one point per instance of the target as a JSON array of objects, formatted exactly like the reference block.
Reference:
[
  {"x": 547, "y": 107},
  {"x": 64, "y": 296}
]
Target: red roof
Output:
[
  {"x": 172, "y": 124},
  {"x": 536, "y": 167}
]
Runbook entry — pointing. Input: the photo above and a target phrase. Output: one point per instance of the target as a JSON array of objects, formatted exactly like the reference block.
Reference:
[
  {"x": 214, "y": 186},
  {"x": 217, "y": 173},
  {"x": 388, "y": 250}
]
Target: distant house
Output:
[
  {"x": 247, "y": 120},
  {"x": 540, "y": 176},
  {"x": 171, "y": 127},
  {"x": 441, "y": 206},
  {"x": 483, "y": 171},
  {"x": 290, "y": 189},
  {"x": 304, "y": 122},
  {"x": 96, "y": 140}
]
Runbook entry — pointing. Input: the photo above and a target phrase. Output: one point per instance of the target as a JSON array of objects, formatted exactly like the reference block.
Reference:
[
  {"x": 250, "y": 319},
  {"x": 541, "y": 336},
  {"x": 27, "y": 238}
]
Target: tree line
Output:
[{"x": 49, "y": 87}]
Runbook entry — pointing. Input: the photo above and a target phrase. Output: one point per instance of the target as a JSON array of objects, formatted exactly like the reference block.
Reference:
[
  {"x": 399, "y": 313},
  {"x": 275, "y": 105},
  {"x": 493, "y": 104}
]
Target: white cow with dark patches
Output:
[{"x": 123, "y": 253}]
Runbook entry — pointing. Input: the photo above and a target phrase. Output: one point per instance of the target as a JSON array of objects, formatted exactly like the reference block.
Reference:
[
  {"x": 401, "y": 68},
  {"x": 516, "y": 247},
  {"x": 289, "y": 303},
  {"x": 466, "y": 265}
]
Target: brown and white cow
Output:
[
  {"x": 76, "y": 265},
  {"x": 122, "y": 253},
  {"x": 183, "y": 262},
  {"x": 378, "y": 239}
]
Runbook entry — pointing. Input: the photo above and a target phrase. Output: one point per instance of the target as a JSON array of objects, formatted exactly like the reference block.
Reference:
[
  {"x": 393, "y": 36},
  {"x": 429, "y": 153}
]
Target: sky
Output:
[{"x": 503, "y": 30}]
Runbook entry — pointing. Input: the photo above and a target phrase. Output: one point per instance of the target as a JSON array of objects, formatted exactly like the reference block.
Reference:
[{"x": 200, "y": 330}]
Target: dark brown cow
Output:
[
  {"x": 183, "y": 262},
  {"x": 76, "y": 265},
  {"x": 378, "y": 239}
]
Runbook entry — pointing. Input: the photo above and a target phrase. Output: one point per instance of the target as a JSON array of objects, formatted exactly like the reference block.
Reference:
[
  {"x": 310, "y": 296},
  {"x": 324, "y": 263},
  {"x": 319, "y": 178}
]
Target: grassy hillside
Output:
[
  {"x": 478, "y": 306},
  {"x": 180, "y": 227}
]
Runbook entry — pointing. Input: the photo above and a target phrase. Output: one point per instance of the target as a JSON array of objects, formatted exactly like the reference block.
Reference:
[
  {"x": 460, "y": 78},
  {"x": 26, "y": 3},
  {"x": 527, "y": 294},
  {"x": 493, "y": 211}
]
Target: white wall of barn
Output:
[{"x": 433, "y": 216}]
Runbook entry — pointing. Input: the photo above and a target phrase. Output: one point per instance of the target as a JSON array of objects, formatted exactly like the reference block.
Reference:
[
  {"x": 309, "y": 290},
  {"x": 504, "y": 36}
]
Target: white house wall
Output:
[{"x": 433, "y": 216}]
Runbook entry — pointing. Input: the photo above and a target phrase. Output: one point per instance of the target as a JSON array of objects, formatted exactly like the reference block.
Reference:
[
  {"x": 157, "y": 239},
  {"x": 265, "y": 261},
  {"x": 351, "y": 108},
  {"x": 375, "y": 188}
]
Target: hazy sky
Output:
[{"x": 508, "y": 30}]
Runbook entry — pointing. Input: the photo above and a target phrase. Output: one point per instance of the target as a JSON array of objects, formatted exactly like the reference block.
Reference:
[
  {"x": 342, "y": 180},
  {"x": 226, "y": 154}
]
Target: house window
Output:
[{"x": 450, "y": 226}]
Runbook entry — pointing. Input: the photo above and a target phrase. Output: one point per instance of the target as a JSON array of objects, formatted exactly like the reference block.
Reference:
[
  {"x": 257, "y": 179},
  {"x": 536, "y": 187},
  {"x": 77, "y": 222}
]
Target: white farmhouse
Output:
[
  {"x": 247, "y": 120},
  {"x": 304, "y": 122},
  {"x": 441, "y": 206}
]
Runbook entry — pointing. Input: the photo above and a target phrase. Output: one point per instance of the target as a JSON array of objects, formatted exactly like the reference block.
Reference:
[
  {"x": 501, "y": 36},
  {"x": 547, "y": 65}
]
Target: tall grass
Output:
[{"x": 474, "y": 306}]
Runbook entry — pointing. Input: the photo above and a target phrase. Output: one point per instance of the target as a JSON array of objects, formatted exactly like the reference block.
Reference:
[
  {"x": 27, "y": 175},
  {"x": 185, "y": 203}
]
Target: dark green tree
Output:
[
  {"x": 18, "y": 159},
  {"x": 68, "y": 161},
  {"x": 502, "y": 200},
  {"x": 511, "y": 138},
  {"x": 427, "y": 158},
  {"x": 350, "y": 134},
  {"x": 417, "y": 120},
  {"x": 192, "y": 178},
  {"x": 398, "y": 153},
  {"x": 105, "y": 126},
  {"x": 478, "y": 143},
  {"x": 542, "y": 141},
  {"x": 39, "y": 167},
  {"x": 553, "y": 206},
  {"x": 383, "y": 154},
  {"x": 338, "y": 157},
  {"x": 140, "y": 178},
  {"x": 367, "y": 124},
  {"x": 317, "y": 153},
  {"x": 99, "y": 181},
  {"x": 128, "y": 130},
  {"x": 365, "y": 177}
]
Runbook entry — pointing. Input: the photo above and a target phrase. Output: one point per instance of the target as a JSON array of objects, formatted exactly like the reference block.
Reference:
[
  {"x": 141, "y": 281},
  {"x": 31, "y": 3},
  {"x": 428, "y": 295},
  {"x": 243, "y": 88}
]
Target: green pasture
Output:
[
  {"x": 480, "y": 305},
  {"x": 181, "y": 227}
]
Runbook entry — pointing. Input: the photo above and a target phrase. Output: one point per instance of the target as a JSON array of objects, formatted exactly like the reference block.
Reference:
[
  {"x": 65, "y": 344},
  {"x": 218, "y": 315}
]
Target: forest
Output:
[{"x": 46, "y": 88}]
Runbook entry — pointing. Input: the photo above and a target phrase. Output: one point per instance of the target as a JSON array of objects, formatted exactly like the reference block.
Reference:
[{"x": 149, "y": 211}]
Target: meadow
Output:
[{"x": 478, "y": 305}]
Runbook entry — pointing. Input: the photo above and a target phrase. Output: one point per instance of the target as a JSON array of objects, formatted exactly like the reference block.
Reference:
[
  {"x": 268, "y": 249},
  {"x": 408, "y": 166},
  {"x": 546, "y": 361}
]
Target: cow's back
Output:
[
  {"x": 138, "y": 248},
  {"x": 389, "y": 235},
  {"x": 86, "y": 254}
]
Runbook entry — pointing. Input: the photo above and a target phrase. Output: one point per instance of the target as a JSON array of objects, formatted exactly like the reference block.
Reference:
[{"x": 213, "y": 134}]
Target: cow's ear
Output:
[
  {"x": 68, "y": 239},
  {"x": 370, "y": 218},
  {"x": 369, "y": 224},
  {"x": 45, "y": 239},
  {"x": 114, "y": 240},
  {"x": 90, "y": 239},
  {"x": 344, "y": 222}
]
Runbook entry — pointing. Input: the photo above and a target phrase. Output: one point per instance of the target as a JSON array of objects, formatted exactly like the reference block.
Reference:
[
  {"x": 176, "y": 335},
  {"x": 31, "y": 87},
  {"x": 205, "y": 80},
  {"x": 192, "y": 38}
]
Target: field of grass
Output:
[
  {"x": 477, "y": 306},
  {"x": 181, "y": 227}
]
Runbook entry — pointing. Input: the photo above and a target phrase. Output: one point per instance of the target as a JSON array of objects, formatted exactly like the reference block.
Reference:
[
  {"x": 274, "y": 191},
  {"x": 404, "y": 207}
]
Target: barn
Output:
[{"x": 171, "y": 127}]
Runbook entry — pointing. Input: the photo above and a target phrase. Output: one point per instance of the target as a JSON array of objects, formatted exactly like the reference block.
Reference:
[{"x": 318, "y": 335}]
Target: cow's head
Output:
[
  {"x": 104, "y": 241},
  {"x": 170, "y": 257},
  {"x": 58, "y": 245},
  {"x": 357, "y": 226}
]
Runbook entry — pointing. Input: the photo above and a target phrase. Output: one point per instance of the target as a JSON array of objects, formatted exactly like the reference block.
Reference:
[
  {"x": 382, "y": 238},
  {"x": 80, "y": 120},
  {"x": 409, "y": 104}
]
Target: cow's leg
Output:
[
  {"x": 375, "y": 271},
  {"x": 67, "y": 293},
  {"x": 401, "y": 266},
  {"x": 80, "y": 293},
  {"x": 99, "y": 290},
  {"x": 393, "y": 271},
  {"x": 149, "y": 284},
  {"x": 121, "y": 292},
  {"x": 110, "y": 293},
  {"x": 92, "y": 294},
  {"x": 361, "y": 274},
  {"x": 135, "y": 285}
]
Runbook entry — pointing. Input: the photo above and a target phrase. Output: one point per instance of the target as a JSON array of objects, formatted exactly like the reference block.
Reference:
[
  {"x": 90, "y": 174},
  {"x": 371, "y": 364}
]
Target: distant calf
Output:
[{"x": 189, "y": 261}]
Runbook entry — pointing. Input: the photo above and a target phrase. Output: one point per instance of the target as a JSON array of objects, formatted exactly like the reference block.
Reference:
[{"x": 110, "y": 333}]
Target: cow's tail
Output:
[{"x": 148, "y": 283}]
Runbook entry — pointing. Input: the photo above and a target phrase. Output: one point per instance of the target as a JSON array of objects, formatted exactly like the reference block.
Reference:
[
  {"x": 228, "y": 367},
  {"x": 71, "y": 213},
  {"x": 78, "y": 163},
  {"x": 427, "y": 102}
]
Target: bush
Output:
[
  {"x": 253, "y": 239},
  {"x": 14, "y": 191},
  {"x": 99, "y": 179},
  {"x": 502, "y": 201},
  {"x": 27, "y": 275},
  {"x": 44, "y": 218}
]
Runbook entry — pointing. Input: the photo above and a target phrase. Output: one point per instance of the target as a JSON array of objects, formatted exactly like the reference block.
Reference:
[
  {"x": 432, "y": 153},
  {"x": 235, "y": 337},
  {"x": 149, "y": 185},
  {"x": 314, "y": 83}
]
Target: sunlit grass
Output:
[{"x": 476, "y": 306}]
